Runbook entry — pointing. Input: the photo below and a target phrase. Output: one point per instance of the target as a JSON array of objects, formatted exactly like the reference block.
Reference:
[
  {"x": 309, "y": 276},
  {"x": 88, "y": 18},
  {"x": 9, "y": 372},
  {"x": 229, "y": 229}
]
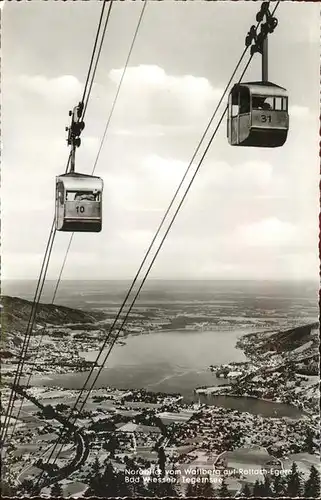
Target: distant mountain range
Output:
[{"x": 15, "y": 314}]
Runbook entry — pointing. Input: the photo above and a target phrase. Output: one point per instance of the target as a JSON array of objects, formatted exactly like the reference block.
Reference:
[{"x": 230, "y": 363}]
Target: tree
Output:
[
  {"x": 308, "y": 442},
  {"x": 56, "y": 490},
  {"x": 27, "y": 485},
  {"x": 191, "y": 490},
  {"x": 112, "y": 445},
  {"x": 108, "y": 484},
  {"x": 279, "y": 486},
  {"x": 137, "y": 488},
  {"x": 246, "y": 492},
  {"x": 6, "y": 489},
  {"x": 312, "y": 485},
  {"x": 110, "y": 481},
  {"x": 95, "y": 487},
  {"x": 124, "y": 489},
  {"x": 205, "y": 488},
  {"x": 161, "y": 459},
  {"x": 258, "y": 489},
  {"x": 223, "y": 491},
  {"x": 151, "y": 485},
  {"x": 294, "y": 482},
  {"x": 96, "y": 483},
  {"x": 166, "y": 489},
  {"x": 266, "y": 490},
  {"x": 96, "y": 467}
]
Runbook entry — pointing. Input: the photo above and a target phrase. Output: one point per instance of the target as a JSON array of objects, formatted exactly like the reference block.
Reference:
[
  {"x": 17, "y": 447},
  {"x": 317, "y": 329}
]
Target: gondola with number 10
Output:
[{"x": 78, "y": 196}]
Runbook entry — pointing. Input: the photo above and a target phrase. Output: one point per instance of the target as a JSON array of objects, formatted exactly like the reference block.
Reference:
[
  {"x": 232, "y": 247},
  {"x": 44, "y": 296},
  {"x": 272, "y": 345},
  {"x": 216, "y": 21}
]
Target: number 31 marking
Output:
[{"x": 266, "y": 118}]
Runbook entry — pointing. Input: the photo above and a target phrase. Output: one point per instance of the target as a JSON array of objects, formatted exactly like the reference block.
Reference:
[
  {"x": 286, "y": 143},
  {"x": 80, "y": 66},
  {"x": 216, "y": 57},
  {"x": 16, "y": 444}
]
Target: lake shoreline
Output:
[{"x": 188, "y": 393}]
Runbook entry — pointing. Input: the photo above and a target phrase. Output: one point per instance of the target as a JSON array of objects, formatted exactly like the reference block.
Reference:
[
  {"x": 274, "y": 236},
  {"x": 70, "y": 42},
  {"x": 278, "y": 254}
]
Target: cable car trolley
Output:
[
  {"x": 78, "y": 196},
  {"x": 258, "y": 115},
  {"x": 79, "y": 202},
  {"x": 258, "y": 111}
]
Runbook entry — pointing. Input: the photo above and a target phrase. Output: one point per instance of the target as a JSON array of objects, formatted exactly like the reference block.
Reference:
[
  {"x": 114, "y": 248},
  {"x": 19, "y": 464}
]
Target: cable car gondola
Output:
[
  {"x": 258, "y": 115},
  {"x": 78, "y": 202},
  {"x": 258, "y": 111}
]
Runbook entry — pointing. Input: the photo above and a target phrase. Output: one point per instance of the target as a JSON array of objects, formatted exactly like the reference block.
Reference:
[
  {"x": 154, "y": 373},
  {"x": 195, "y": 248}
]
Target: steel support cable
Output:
[
  {"x": 120, "y": 84},
  {"x": 167, "y": 231},
  {"x": 39, "y": 345},
  {"x": 102, "y": 141},
  {"x": 103, "y": 137},
  {"x": 98, "y": 55},
  {"x": 160, "y": 246},
  {"x": 27, "y": 337},
  {"x": 36, "y": 302},
  {"x": 114, "y": 339},
  {"x": 146, "y": 275},
  {"x": 138, "y": 272},
  {"x": 158, "y": 250},
  {"x": 26, "y": 341},
  {"x": 176, "y": 193},
  {"x": 94, "y": 50}
]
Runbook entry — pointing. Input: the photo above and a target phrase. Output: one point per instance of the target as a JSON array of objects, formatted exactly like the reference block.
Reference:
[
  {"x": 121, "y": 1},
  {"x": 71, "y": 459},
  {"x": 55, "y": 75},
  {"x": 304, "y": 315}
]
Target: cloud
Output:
[
  {"x": 296, "y": 111},
  {"x": 247, "y": 211},
  {"x": 268, "y": 232},
  {"x": 62, "y": 90},
  {"x": 155, "y": 77},
  {"x": 137, "y": 238},
  {"x": 242, "y": 178},
  {"x": 151, "y": 183},
  {"x": 149, "y": 93},
  {"x": 144, "y": 132}
]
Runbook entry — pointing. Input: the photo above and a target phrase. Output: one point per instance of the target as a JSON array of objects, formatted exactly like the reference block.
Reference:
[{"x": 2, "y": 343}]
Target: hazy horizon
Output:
[{"x": 222, "y": 280}]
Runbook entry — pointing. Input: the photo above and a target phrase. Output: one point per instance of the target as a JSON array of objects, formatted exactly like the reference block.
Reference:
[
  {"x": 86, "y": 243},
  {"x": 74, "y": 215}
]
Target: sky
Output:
[{"x": 251, "y": 213}]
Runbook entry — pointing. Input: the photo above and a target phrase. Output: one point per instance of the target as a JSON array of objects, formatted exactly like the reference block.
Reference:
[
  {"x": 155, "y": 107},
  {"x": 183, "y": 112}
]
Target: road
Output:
[{"x": 81, "y": 445}]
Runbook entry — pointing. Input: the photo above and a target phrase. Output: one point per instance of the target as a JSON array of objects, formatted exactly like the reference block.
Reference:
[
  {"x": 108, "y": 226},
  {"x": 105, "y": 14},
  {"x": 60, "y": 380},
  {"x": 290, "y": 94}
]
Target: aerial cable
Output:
[
  {"x": 94, "y": 50},
  {"x": 182, "y": 200},
  {"x": 114, "y": 339},
  {"x": 120, "y": 84},
  {"x": 135, "y": 279},
  {"x": 110, "y": 331},
  {"x": 37, "y": 299},
  {"x": 157, "y": 252},
  {"x": 39, "y": 344},
  {"x": 27, "y": 336},
  {"x": 98, "y": 55},
  {"x": 160, "y": 246},
  {"x": 104, "y": 134},
  {"x": 29, "y": 329},
  {"x": 49, "y": 244}
]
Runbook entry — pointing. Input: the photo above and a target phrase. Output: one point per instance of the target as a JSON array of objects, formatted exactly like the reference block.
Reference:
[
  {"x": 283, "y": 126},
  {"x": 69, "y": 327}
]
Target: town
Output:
[{"x": 148, "y": 442}]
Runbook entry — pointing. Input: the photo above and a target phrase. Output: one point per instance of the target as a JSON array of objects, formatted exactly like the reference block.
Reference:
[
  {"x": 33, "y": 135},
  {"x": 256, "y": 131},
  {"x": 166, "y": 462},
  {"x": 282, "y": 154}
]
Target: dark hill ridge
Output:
[
  {"x": 289, "y": 340},
  {"x": 15, "y": 314},
  {"x": 298, "y": 347}
]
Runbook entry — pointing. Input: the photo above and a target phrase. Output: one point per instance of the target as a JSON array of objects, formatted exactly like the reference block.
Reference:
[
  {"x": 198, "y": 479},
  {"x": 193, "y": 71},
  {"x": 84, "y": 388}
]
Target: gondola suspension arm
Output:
[
  {"x": 76, "y": 127},
  {"x": 261, "y": 39}
]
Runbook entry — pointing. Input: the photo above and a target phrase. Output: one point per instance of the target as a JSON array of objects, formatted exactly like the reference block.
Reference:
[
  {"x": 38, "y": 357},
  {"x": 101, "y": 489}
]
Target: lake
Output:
[
  {"x": 166, "y": 361},
  {"x": 252, "y": 405},
  {"x": 174, "y": 361}
]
